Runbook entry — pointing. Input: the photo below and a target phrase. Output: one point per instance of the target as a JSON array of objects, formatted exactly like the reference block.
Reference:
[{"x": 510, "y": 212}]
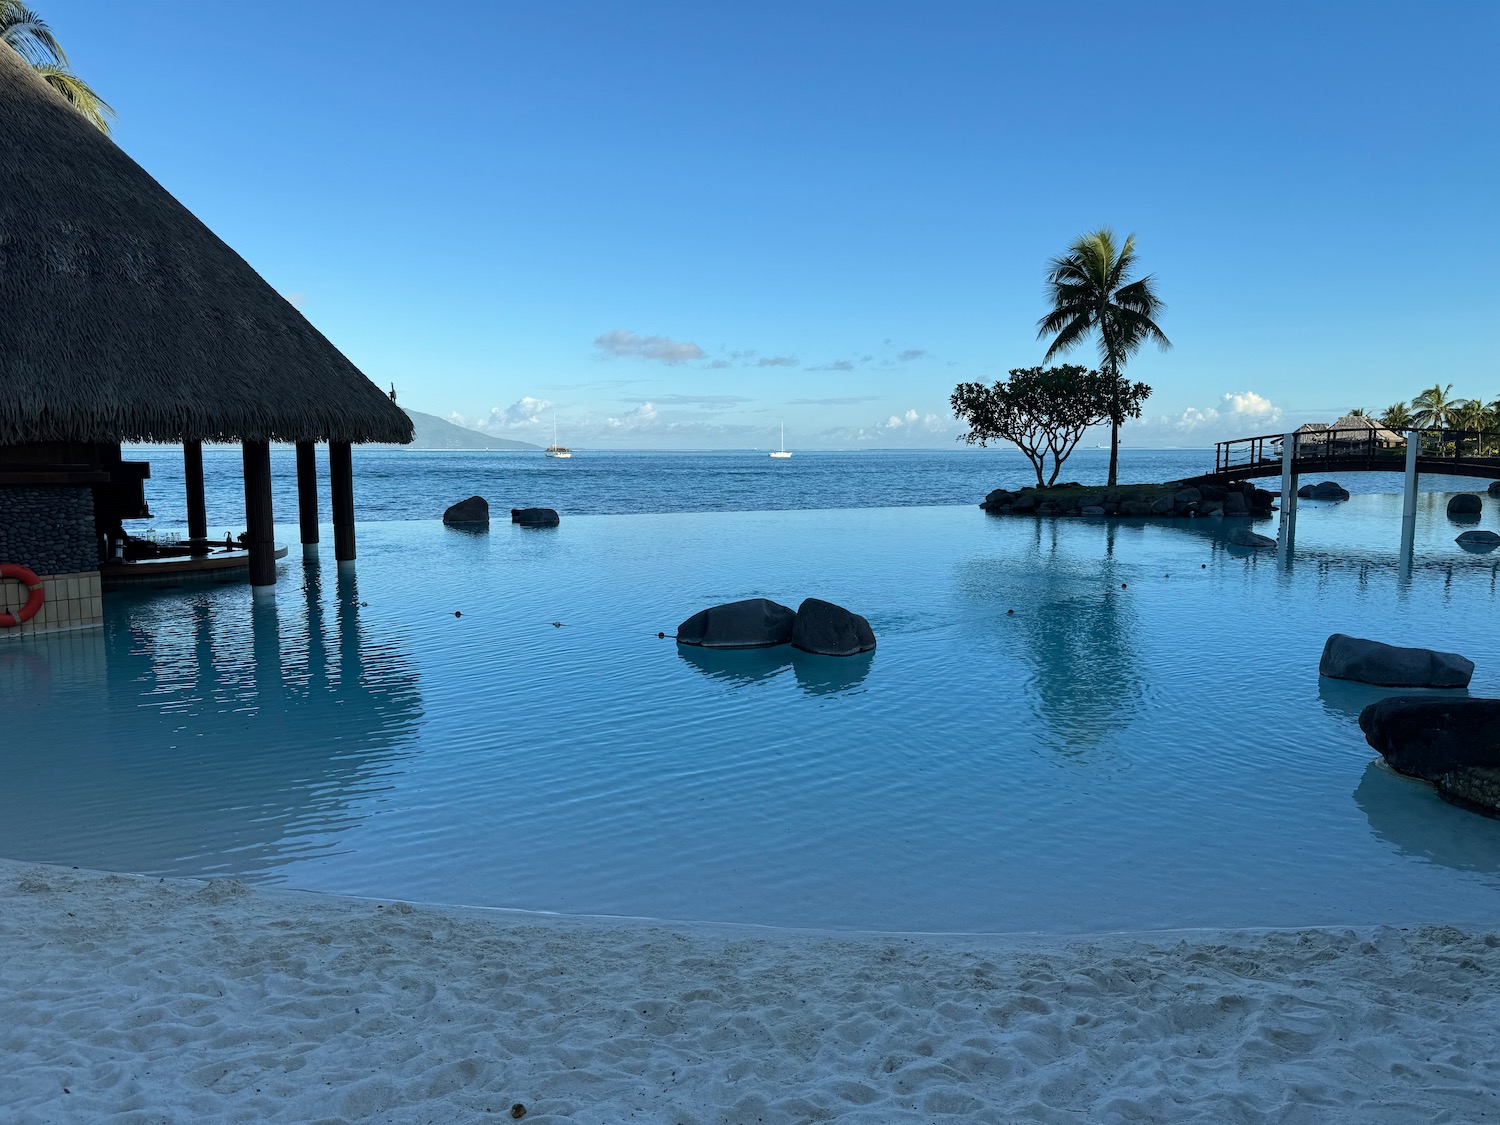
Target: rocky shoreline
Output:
[{"x": 1173, "y": 500}]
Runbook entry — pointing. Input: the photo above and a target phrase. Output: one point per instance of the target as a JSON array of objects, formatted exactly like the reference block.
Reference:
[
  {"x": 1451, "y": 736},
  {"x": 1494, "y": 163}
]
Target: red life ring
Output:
[{"x": 27, "y": 578}]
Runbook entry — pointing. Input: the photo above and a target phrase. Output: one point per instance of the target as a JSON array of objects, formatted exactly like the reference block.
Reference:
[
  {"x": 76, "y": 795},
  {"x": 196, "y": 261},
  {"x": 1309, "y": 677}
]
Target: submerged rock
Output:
[
  {"x": 474, "y": 510},
  {"x": 752, "y": 623},
  {"x": 535, "y": 517},
  {"x": 1323, "y": 490},
  {"x": 1478, "y": 540},
  {"x": 1372, "y": 662},
  {"x": 1453, "y": 743},
  {"x": 1244, "y": 537},
  {"x": 1465, "y": 504},
  {"x": 831, "y": 630}
]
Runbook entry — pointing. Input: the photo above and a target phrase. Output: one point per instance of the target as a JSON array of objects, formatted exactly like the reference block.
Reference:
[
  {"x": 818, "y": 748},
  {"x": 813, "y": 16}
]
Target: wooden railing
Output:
[{"x": 1326, "y": 448}]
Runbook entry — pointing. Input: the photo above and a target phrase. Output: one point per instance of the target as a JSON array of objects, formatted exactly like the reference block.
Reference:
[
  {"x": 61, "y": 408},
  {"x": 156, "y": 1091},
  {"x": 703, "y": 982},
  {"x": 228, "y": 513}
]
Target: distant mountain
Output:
[{"x": 434, "y": 433}]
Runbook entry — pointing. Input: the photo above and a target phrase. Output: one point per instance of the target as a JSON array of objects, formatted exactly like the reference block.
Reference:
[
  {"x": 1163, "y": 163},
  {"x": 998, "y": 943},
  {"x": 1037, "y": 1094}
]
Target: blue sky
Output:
[{"x": 675, "y": 225}]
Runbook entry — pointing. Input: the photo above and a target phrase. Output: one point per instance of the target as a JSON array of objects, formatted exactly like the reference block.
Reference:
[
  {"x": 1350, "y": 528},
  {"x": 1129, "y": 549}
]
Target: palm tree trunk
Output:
[
  {"x": 1114, "y": 453},
  {"x": 1114, "y": 425}
]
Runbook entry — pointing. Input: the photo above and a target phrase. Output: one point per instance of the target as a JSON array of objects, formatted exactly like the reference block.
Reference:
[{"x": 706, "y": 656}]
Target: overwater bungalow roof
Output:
[{"x": 124, "y": 318}]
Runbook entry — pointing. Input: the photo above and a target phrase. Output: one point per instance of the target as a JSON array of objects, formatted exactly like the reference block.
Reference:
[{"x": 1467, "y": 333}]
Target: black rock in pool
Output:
[
  {"x": 535, "y": 517},
  {"x": 1453, "y": 743},
  {"x": 831, "y": 630},
  {"x": 752, "y": 623},
  {"x": 474, "y": 510}
]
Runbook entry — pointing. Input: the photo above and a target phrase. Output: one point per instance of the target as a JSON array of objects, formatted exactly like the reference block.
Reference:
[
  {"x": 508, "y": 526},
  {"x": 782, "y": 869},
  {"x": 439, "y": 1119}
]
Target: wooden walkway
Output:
[{"x": 1462, "y": 453}]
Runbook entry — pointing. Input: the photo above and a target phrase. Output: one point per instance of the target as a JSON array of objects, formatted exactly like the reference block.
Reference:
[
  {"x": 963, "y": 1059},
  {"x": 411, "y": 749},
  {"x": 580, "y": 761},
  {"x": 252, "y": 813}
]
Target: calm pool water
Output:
[{"x": 1144, "y": 742}]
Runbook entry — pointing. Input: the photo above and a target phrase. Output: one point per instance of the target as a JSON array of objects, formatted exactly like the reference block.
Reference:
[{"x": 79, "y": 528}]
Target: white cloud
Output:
[
  {"x": 1251, "y": 405},
  {"x": 619, "y": 343},
  {"x": 908, "y": 428},
  {"x": 643, "y": 417},
  {"x": 525, "y": 413},
  {"x": 1235, "y": 414}
]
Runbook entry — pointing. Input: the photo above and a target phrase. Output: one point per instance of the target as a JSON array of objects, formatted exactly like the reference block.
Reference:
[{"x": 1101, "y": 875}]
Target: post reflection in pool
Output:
[{"x": 217, "y": 740}]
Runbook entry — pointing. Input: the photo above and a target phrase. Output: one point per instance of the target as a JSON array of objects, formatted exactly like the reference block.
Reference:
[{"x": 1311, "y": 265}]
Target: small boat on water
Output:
[
  {"x": 782, "y": 452},
  {"x": 555, "y": 450}
]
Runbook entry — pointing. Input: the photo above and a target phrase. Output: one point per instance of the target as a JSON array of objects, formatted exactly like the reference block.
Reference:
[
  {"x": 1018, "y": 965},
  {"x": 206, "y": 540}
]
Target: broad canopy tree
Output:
[{"x": 1045, "y": 411}]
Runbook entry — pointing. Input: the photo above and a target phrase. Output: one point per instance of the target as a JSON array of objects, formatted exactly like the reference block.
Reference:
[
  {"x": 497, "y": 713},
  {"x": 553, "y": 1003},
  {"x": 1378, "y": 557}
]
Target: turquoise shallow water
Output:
[{"x": 1154, "y": 754}]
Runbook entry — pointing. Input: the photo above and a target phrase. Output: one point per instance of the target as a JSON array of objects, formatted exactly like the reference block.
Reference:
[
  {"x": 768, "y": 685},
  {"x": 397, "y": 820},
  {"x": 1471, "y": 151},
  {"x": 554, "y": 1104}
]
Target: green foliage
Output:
[
  {"x": 1093, "y": 293},
  {"x": 1396, "y": 417},
  {"x": 26, "y": 33},
  {"x": 1044, "y": 411},
  {"x": 1433, "y": 408}
]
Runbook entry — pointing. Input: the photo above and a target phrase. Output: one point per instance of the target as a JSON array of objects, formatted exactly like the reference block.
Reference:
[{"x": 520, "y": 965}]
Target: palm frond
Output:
[
  {"x": 1068, "y": 335},
  {"x": 28, "y": 35},
  {"x": 79, "y": 94}
]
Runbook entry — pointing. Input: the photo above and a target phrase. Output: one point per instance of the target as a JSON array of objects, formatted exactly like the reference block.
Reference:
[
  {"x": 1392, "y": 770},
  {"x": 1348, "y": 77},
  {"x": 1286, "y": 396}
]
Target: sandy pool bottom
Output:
[{"x": 141, "y": 1000}]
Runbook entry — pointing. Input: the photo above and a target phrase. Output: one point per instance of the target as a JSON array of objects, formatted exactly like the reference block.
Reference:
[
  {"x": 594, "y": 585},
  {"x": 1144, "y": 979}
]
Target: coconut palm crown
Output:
[
  {"x": 28, "y": 35},
  {"x": 1396, "y": 416},
  {"x": 1093, "y": 292},
  {"x": 1433, "y": 408}
]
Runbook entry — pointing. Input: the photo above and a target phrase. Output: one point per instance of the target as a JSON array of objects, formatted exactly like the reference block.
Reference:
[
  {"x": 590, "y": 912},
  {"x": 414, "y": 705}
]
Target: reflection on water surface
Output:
[{"x": 1067, "y": 725}]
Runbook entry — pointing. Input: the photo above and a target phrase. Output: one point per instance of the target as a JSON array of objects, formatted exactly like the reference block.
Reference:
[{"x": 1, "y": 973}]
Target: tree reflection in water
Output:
[{"x": 1074, "y": 626}]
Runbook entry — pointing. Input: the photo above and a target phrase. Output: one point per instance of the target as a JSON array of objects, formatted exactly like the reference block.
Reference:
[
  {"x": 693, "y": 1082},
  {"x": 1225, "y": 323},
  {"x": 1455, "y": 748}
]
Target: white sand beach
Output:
[{"x": 139, "y": 1000}]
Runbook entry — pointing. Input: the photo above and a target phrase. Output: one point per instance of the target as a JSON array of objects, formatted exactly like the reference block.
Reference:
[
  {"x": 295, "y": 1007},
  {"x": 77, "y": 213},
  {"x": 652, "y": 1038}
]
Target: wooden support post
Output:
[
  {"x": 192, "y": 475},
  {"x": 307, "y": 497},
  {"x": 1287, "y": 540},
  {"x": 1409, "y": 503},
  {"x": 260, "y": 530},
  {"x": 341, "y": 482}
]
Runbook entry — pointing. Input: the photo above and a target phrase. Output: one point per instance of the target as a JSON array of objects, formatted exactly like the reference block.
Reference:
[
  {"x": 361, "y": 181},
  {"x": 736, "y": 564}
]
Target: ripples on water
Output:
[{"x": 1143, "y": 742}]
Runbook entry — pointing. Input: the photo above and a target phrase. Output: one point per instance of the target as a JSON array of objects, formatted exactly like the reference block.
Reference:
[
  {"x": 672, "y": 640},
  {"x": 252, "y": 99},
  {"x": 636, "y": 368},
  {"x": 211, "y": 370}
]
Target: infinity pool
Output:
[{"x": 1144, "y": 742}]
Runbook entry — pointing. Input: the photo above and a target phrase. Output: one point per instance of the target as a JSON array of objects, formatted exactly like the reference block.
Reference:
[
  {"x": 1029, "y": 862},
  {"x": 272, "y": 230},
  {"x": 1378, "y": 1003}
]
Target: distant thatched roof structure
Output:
[
  {"x": 122, "y": 317},
  {"x": 1361, "y": 422},
  {"x": 1312, "y": 427}
]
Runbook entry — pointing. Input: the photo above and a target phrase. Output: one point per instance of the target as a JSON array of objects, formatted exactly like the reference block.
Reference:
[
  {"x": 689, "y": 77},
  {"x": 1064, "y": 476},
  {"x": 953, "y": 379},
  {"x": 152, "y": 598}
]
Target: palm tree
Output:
[
  {"x": 1470, "y": 415},
  {"x": 1433, "y": 409},
  {"x": 1357, "y": 412},
  {"x": 1396, "y": 417},
  {"x": 26, "y": 33},
  {"x": 1091, "y": 291}
]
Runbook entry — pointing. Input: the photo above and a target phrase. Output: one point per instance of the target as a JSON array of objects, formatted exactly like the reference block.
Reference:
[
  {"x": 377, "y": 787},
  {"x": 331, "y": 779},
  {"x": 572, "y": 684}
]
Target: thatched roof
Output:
[
  {"x": 122, "y": 317},
  {"x": 1361, "y": 422}
]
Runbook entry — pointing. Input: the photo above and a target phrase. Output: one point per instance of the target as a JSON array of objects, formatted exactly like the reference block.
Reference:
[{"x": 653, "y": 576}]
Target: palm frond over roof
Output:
[{"x": 124, "y": 318}]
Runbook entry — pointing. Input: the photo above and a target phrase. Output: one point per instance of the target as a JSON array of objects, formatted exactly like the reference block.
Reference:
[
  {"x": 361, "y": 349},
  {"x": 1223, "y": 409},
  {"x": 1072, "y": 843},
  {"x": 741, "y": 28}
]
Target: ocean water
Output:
[
  {"x": 1068, "y": 725},
  {"x": 412, "y": 484}
]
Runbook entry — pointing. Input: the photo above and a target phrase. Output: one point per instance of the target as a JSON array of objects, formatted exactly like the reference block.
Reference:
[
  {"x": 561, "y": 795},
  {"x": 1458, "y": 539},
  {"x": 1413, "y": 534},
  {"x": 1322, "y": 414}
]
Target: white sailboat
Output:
[
  {"x": 555, "y": 450},
  {"x": 783, "y": 451}
]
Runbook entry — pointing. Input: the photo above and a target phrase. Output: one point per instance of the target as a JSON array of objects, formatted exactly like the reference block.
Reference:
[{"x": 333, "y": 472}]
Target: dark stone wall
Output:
[{"x": 49, "y": 529}]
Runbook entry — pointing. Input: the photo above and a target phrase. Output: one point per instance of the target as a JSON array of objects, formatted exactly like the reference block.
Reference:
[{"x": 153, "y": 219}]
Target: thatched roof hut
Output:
[
  {"x": 1383, "y": 435},
  {"x": 124, "y": 318}
]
